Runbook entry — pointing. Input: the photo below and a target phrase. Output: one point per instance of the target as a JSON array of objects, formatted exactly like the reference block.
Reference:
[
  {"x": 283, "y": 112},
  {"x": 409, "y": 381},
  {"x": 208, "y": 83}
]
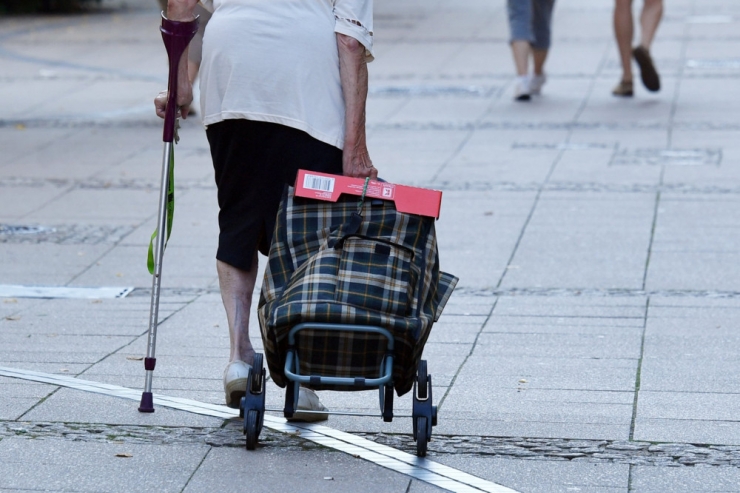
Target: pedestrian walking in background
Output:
[
  {"x": 283, "y": 87},
  {"x": 652, "y": 12},
  {"x": 529, "y": 23}
]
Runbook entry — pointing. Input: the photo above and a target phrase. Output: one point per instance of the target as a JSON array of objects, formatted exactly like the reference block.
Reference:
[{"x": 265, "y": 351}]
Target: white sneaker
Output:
[
  {"x": 235, "y": 382},
  {"x": 521, "y": 90},
  {"x": 536, "y": 82},
  {"x": 309, "y": 401}
]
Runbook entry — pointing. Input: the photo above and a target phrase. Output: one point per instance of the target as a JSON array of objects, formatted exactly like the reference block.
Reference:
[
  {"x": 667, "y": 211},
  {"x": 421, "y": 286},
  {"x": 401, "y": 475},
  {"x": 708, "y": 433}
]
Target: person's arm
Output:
[
  {"x": 353, "y": 75},
  {"x": 182, "y": 11}
]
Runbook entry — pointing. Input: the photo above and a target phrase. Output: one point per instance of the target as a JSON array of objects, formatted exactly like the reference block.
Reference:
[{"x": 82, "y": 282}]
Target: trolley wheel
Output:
[
  {"x": 422, "y": 380},
  {"x": 242, "y": 404},
  {"x": 256, "y": 380},
  {"x": 387, "y": 403},
  {"x": 421, "y": 436},
  {"x": 252, "y": 428},
  {"x": 291, "y": 396}
]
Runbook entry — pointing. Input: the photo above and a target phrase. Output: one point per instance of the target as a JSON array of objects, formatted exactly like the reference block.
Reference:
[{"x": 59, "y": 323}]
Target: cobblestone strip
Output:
[
  {"x": 445, "y": 186},
  {"x": 482, "y": 186},
  {"x": 636, "y": 453},
  {"x": 565, "y": 125},
  {"x": 69, "y": 234},
  {"x": 230, "y": 435},
  {"x": 490, "y": 293},
  {"x": 605, "y": 293},
  {"x": 98, "y": 184},
  {"x": 450, "y": 125}
]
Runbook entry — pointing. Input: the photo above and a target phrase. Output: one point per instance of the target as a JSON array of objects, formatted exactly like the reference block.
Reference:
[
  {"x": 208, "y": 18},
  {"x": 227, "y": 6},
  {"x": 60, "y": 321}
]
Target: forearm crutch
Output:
[{"x": 176, "y": 37}]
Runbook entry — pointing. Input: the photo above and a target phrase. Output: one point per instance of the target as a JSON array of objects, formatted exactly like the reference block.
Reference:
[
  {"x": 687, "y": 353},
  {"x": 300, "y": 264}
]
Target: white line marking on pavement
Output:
[
  {"x": 18, "y": 291},
  {"x": 425, "y": 470}
]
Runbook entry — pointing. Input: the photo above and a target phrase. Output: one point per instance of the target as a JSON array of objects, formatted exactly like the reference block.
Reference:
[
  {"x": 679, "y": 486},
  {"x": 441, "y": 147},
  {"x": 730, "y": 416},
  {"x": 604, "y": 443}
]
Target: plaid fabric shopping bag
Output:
[{"x": 329, "y": 264}]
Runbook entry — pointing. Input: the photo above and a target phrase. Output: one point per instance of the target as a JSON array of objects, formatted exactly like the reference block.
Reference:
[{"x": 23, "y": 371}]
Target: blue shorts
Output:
[{"x": 529, "y": 20}]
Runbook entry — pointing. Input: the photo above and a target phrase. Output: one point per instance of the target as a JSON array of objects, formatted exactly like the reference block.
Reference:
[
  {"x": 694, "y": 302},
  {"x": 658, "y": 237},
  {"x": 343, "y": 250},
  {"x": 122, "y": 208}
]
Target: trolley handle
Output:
[{"x": 340, "y": 328}]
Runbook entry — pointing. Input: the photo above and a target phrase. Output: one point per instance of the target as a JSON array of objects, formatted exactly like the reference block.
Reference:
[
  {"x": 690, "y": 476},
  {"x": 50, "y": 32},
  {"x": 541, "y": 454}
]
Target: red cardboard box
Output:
[{"x": 409, "y": 200}]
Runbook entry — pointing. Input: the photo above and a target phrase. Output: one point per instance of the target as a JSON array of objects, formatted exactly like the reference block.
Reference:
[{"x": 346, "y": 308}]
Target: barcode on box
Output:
[{"x": 314, "y": 182}]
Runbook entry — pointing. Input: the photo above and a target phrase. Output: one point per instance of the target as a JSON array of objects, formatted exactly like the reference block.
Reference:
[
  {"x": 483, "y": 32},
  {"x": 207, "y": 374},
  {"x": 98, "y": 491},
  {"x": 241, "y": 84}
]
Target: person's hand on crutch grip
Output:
[
  {"x": 181, "y": 11},
  {"x": 183, "y": 106}
]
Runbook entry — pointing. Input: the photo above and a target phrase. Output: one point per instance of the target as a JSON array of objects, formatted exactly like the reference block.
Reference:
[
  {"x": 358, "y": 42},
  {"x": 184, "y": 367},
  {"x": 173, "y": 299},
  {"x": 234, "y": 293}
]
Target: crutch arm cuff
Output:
[
  {"x": 176, "y": 36},
  {"x": 186, "y": 29}
]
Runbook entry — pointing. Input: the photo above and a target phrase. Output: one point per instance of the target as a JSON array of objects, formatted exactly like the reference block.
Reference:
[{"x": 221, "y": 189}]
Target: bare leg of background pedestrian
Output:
[
  {"x": 650, "y": 16},
  {"x": 528, "y": 84},
  {"x": 538, "y": 76},
  {"x": 521, "y": 51},
  {"x": 520, "y": 25},
  {"x": 652, "y": 12},
  {"x": 237, "y": 288},
  {"x": 624, "y": 32}
]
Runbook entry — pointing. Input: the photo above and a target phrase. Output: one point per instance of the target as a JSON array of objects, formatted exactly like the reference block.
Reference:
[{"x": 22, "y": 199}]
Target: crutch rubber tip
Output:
[{"x": 147, "y": 403}]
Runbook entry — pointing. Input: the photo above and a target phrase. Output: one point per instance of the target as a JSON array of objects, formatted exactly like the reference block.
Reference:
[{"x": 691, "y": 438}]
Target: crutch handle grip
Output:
[{"x": 176, "y": 36}]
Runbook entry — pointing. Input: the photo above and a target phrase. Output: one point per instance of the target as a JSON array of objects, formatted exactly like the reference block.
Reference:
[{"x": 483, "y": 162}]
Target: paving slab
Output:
[
  {"x": 234, "y": 470},
  {"x": 63, "y": 465},
  {"x": 551, "y": 373},
  {"x": 52, "y": 265},
  {"x": 74, "y": 406},
  {"x": 532, "y": 476},
  {"x": 687, "y": 375},
  {"x": 701, "y": 417},
  {"x": 685, "y": 480},
  {"x": 596, "y": 346}
]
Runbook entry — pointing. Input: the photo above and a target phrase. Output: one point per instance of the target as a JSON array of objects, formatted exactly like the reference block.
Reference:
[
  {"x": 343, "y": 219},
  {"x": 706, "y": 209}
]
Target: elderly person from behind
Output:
[{"x": 283, "y": 87}]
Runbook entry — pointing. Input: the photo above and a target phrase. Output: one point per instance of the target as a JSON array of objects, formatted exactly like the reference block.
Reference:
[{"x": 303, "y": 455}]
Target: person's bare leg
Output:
[
  {"x": 652, "y": 12},
  {"x": 237, "y": 288},
  {"x": 624, "y": 32},
  {"x": 521, "y": 50},
  {"x": 539, "y": 57}
]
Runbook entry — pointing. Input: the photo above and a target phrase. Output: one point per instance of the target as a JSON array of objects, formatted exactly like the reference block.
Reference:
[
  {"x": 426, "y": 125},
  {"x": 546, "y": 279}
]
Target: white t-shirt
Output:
[{"x": 277, "y": 61}]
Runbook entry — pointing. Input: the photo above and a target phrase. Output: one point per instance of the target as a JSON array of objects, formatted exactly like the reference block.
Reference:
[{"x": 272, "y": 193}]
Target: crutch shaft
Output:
[{"x": 151, "y": 360}]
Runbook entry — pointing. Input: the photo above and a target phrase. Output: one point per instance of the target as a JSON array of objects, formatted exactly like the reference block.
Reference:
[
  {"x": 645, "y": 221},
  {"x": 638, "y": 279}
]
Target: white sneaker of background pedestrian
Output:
[
  {"x": 535, "y": 84},
  {"x": 521, "y": 88},
  {"x": 235, "y": 382},
  {"x": 309, "y": 401}
]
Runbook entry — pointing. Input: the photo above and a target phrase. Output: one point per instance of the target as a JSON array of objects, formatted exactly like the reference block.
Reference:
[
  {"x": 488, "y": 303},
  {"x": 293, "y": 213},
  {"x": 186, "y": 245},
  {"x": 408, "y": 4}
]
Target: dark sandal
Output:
[{"x": 649, "y": 75}]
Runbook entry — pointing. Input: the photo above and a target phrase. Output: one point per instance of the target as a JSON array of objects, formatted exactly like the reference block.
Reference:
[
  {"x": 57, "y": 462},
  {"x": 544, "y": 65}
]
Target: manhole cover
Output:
[
  {"x": 6, "y": 229},
  {"x": 668, "y": 157}
]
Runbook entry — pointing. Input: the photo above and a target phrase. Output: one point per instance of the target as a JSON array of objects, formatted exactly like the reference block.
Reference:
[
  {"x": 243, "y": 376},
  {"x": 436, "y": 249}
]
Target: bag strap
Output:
[{"x": 352, "y": 226}]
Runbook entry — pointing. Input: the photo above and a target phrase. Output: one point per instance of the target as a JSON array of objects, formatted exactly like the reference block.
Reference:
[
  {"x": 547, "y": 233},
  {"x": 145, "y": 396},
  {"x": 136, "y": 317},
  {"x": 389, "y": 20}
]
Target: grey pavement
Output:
[{"x": 591, "y": 345}]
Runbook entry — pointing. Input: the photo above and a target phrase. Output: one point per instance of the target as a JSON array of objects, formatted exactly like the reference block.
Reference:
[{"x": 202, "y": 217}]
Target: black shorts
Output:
[{"x": 253, "y": 163}]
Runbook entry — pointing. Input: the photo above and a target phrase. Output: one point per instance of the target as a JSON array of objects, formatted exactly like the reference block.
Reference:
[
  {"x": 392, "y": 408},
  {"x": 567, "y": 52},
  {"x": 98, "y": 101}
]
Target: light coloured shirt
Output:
[{"x": 277, "y": 61}]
